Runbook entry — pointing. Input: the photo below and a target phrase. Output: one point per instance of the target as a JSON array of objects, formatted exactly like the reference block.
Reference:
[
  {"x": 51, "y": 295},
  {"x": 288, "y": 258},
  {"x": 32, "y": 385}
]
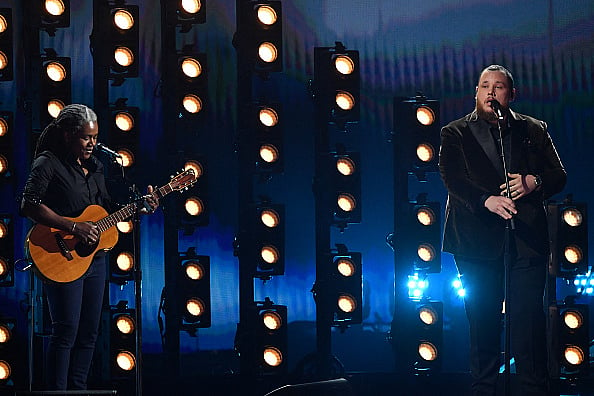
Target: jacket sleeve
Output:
[
  {"x": 550, "y": 169},
  {"x": 455, "y": 172}
]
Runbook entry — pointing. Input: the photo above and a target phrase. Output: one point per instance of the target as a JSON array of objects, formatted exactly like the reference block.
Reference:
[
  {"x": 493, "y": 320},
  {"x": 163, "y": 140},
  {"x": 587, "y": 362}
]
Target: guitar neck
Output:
[{"x": 127, "y": 211}]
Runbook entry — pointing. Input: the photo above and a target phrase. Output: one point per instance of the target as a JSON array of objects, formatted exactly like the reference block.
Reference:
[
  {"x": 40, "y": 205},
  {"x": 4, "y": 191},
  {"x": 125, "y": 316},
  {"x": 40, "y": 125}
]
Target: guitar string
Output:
[{"x": 122, "y": 214}]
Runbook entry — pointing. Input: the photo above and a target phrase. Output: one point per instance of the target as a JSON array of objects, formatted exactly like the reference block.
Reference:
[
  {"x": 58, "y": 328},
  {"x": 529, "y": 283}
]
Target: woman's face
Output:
[{"x": 82, "y": 144}]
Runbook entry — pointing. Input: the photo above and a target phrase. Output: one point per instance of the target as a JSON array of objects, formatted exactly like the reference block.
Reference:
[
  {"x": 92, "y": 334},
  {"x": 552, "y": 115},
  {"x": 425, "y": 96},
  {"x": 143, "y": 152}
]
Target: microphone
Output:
[
  {"x": 107, "y": 150},
  {"x": 496, "y": 106}
]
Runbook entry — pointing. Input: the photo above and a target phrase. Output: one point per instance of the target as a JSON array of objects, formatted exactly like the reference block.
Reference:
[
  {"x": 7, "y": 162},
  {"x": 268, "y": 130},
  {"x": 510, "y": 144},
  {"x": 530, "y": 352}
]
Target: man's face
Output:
[{"x": 492, "y": 85}]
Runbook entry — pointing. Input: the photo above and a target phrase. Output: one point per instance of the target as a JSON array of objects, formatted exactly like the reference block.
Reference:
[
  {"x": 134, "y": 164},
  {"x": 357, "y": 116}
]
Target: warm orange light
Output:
[
  {"x": 123, "y": 56},
  {"x": 427, "y": 351},
  {"x": 191, "y": 67},
  {"x": 347, "y": 303},
  {"x": 267, "y": 52},
  {"x": 269, "y": 254},
  {"x": 191, "y": 6},
  {"x": 426, "y": 216},
  {"x": 272, "y": 320},
  {"x": 124, "y": 121},
  {"x": 194, "y": 270},
  {"x": 268, "y": 116},
  {"x": 344, "y": 64},
  {"x": 125, "y": 324},
  {"x": 267, "y": 15},
  {"x": 345, "y": 166},
  {"x": 54, "y": 107},
  {"x": 3, "y": 127},
  {"x": 125, "y": 226},
  {"x": 192, "y": 103},
  {"x": 346, "y": 202},
  {"x": 194, "y": 206},
  {"x": 345, "y": 100},
  {"x": 55, "y": 71},
  {"x": 425, "y": 115},
  {"x": 273, "y": 356},
  {"x": 55, "y": 7},
  {"x": 126, "y": 158},
  {"x": 426, "y": 252},
  {"x": 270, "y": 218},
  {"x": 345, "y": 267},
  {"x": 195, "y": 307},
  {"x": 123, "y": 19},
  {"x": 126, "y": 360},
  {"x": 428, "y": 315},
  {"x": 573, "y": 217},
  {"x": 125, "y": 261},
  {"x": 269, "y": 153}
]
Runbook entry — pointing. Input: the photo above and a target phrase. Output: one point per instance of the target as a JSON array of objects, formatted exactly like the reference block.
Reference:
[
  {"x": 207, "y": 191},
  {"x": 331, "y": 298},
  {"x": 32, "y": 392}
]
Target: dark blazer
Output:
[{"x": 471, "y": 171}]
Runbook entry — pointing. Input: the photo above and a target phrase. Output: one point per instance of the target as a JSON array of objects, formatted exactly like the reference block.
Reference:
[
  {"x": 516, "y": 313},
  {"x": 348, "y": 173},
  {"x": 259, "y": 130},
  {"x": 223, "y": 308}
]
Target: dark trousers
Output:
[
  {"x": 75, "y": 311},
  {"x": 483, "y": 281}
]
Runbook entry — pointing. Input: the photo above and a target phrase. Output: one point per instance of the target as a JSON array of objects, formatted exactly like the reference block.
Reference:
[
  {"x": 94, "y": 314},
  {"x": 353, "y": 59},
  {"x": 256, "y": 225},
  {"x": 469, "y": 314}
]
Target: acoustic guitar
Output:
[{"x": 61, "y": 257}]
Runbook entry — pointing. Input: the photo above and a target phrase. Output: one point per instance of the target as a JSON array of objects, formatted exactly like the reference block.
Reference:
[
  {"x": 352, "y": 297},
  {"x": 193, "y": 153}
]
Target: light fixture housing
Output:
[
  {"x": 6, "y": 45},
  {"x": 568, "y": 233}
]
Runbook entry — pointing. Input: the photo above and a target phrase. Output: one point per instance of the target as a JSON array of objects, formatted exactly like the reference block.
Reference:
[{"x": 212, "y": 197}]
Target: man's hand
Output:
[
  {"x": 519, "y": 185},
  {"x": 502, "y": 206}
]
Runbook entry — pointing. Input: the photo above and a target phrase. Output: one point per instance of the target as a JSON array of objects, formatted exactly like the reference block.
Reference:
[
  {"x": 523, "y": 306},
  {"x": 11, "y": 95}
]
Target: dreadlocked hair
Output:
[{"x": 71, "y": 119}]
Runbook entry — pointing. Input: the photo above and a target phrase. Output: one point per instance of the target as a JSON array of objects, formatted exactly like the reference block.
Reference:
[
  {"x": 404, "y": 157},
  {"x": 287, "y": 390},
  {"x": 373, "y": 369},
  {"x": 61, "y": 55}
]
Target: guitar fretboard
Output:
[{"x": 127, "y": 211}]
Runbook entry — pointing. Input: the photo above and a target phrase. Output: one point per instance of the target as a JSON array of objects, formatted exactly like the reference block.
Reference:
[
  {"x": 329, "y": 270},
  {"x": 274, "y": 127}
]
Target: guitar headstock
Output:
[{"x": 183, "y": 180}]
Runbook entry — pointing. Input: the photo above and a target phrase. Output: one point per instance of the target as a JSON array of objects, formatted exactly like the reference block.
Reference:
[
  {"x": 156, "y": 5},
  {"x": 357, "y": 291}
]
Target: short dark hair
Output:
[
  {"x": 503, "y": 70},
  {"x": 72, "y": 119}
]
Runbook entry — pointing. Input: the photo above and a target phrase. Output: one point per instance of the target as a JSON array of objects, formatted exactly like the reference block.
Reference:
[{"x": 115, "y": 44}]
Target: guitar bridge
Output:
[{"x": 62, "y": 245}]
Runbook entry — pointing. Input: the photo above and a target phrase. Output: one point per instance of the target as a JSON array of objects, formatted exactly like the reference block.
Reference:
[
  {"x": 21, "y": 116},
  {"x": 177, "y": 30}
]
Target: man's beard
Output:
[{"x": 487, "y": 116}]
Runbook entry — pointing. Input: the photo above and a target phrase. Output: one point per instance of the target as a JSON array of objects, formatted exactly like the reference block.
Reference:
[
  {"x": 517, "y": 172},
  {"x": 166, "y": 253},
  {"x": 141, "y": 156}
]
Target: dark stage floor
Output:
[
  {"x": 355, "y": 384},
  {"x": 359, "y": 384}
]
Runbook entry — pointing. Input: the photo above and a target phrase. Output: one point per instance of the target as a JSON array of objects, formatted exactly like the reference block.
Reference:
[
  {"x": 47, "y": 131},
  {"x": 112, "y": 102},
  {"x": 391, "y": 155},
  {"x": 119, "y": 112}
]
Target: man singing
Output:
[{"x": 477, "y": 212}]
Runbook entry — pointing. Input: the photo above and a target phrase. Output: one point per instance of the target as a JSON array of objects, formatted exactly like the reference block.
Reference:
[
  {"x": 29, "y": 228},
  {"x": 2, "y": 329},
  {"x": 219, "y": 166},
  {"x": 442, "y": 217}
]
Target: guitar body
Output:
[
  {"x": 51, "y": 261},
  {"x": 61, "y": 257}
]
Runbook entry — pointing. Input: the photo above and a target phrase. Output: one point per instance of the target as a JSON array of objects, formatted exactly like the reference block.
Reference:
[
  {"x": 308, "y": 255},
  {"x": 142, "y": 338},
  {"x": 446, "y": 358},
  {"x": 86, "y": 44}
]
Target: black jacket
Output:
[{"x": 470, "y": 169}]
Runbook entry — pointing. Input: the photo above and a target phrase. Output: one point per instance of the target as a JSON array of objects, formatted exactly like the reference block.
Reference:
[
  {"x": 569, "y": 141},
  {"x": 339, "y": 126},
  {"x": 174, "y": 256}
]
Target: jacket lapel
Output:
[
  {"x": 485, "y": 140},
  {"x": 519, "y": 137}
]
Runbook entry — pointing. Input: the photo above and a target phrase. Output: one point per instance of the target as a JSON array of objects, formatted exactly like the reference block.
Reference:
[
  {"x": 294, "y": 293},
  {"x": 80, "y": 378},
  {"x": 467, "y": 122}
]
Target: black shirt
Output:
[{"x": 60, "y": 184}]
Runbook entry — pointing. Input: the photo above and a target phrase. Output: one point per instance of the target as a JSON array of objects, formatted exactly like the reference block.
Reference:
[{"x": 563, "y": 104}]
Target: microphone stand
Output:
[
  {"x": 510, "y": 226},
  {"x": 137, "y": 274}
]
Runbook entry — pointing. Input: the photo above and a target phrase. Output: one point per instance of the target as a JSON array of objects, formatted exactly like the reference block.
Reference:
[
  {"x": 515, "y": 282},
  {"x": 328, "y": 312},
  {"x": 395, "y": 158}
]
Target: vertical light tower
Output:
[
  {"x": 568, "y": 320},
  {"x": 337, "y": 193},
  {"x": 260, "y": 239},
  {"x": 417, "y": 233},
  {"x": 184, "y": 103}
]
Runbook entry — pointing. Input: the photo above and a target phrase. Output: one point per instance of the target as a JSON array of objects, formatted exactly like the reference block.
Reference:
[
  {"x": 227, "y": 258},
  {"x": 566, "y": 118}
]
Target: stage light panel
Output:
[
  {"x": 123, "y": 36},
  {"x": 55, "y": 14},
  {"x": 6, "y": 146},
  {"x": 56, "y": 85},
  {"x": 337, "y": 84},
  {"x": 192, "y": 83},
  {"x": 417, "y": 134},
  {"x": 260, "y": 35},
  {"x": 193, "y": 288},
  {"x": 425, "y": 235},
  {"x": 573, "y": 352},
  {"x": 6, "y": 45},
  {"x": 346, "y": 287},
  {"x": 6, "y": 250},
  {"x": 568, "y": 231},
  {"x": 344, "y": 176},
  {"x": 267, "y": 240},
  {"x": 123, "y": 352}
]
